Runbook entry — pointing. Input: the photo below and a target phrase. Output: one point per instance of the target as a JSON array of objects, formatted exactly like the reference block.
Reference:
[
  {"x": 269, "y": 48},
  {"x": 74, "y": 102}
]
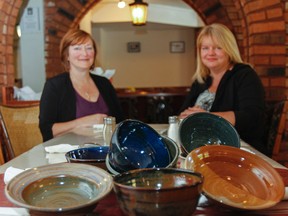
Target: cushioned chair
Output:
[
  {"x": 19, "y": 129},
  {"x": 275, "y": 141}
]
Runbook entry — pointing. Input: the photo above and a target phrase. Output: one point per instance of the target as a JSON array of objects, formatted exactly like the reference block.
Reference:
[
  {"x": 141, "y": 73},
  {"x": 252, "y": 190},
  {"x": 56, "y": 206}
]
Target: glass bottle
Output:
[
  {"x": 108, "y": 129},
  {"x": 173, "y": 129}
]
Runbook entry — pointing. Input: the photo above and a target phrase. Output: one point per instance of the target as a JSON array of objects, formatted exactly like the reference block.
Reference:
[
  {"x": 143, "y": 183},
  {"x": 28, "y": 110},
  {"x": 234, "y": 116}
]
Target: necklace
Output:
[
  {"x": 82, "y": 90},
  {"x": 87, "y": 95}
]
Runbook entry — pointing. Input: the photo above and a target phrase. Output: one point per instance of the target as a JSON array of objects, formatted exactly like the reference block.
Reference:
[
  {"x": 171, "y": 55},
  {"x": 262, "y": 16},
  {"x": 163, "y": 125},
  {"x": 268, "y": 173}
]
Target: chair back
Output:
[
  {"x": 2, "y": 160},
  {"x": 20, "y": 130},
  {"x": 9, "y": 100},
  {"x": 276, "y": 126}
]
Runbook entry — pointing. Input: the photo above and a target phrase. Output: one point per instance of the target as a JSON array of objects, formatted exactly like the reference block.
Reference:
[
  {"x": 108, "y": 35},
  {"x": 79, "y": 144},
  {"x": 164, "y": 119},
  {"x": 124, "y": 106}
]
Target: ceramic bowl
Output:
[
  {"x": 56, "y": 189},
  {"x": 158, "y": 191},
  {"x": 91, "y": 155},
  {"x": 236, "y": 178},
  {"x": 172, "y": 147},
  {"x": 202, "y": 129},
  {"x": 136, "y": 145}
]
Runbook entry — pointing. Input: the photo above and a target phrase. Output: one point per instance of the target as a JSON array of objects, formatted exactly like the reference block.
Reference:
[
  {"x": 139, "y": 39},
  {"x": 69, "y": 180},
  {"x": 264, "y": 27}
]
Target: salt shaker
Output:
[
  {"x": 108, "y": 129},
  {"x": 173, "y": 128}
]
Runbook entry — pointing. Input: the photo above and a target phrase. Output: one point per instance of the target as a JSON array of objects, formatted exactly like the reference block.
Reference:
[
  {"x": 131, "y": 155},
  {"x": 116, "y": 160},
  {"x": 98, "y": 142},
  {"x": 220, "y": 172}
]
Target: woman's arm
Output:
[{"x": 60, "y": 128}]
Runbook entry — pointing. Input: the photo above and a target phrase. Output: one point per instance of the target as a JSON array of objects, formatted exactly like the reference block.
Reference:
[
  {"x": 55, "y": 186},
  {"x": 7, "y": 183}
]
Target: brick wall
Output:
[
  {"x": 9, "y": 10},
  {"x": 260, "y": 26}
]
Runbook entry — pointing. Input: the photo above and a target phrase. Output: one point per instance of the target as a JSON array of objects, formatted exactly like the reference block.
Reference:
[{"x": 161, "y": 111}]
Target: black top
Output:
[
  {"x": 240, "y": 90},
  {"x": 58, "y": 102}
]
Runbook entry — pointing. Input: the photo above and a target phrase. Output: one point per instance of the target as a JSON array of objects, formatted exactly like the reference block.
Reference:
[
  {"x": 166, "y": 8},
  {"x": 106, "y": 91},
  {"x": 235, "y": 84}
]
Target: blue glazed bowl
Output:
[
  {"x": 174, "y": 153},
  {"x": 201, "y": 129},
  {"x": 136, "y": 145},
  {"x": 93, "y": 156}
]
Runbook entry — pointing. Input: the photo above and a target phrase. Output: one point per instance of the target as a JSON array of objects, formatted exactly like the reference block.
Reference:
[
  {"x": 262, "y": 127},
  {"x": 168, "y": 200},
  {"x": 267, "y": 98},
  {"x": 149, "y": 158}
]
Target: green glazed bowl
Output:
[{"x": 201, "y": 129}]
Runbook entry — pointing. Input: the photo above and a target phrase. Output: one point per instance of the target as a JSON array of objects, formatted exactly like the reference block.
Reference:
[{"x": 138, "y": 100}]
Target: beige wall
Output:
[{"x": 154, "y": 66}]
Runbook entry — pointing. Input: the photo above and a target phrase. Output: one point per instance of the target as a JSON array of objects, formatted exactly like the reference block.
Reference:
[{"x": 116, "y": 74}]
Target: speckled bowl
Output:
[
  {"x": 202, "y": 129},
  {"x": 236, "y": 178},
  {"x": 59, "y": 189},
  {"x": 136, "y": 145},
  {"x": 172, "y": 147},
  {"x": 158, "y": 191}
]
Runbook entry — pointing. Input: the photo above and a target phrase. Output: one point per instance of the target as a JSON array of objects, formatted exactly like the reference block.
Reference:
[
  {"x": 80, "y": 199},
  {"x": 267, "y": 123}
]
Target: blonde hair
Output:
[
  {"x": 72, "y": 37},
  {"x": 223, "y": 38}
]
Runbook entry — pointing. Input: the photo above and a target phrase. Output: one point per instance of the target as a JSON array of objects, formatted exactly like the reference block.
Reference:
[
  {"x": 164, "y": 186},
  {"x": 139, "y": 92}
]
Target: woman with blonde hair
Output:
[
  {"x": 227, "y": 87},
  {"x": 76, "y": 97}
]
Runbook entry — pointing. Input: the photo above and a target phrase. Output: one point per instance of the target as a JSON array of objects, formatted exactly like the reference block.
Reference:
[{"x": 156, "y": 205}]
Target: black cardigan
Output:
[
  {"x": 58, "y": 102},
  {"x": 241, "y": 91}
]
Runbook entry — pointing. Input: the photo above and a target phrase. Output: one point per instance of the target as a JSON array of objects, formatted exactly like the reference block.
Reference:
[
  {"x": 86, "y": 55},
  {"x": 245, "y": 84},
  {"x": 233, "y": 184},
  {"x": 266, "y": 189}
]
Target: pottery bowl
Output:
[
  {"x": 172, "y": 147},
  {"x": 236, "y": 178},
  {"x": 136, "y": 145},
  {"x": 158, "y": 191},
  {"x": 58, "y": 189},
  {"x": 202, "y": 129},
  {"x": 91, "y": 155}
]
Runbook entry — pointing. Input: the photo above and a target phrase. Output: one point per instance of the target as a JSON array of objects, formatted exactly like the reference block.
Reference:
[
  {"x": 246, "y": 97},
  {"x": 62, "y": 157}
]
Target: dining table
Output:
[{"x": 108, "y": 206}]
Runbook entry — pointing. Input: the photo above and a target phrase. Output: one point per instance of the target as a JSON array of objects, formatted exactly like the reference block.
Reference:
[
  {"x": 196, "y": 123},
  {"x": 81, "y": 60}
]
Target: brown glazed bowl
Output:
[
  {"x": 236, "y": 178},
  {"x": 59, "y": 189},
  {"x": 158, "y": 191}
]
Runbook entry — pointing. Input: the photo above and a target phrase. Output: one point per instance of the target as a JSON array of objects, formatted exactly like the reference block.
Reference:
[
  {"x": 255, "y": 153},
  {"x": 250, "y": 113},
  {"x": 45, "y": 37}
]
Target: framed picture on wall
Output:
[
  {"x": 177, "y": 47},
  {"x": 133, "y": 47}
]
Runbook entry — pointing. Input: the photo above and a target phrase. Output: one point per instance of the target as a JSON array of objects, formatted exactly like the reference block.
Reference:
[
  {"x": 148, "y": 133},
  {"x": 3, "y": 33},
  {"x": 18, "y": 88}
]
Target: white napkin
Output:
[
  {"x": 56, "y": 153},
  {"x": 10, "y": 173},
  {"x": 60, "y": 148},
  {"x": 8, "y": 211}
]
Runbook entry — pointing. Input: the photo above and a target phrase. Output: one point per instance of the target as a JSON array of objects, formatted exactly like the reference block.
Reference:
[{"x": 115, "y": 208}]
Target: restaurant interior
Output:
[
  {"x": 152, "y": 63},
  {"x": 259, "y": 28}
]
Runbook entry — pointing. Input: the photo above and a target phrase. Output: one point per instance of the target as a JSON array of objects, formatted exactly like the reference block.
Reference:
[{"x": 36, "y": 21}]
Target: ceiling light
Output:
[
  {"x": 138, "y": 11},
  {"x": 121, "y": 4}
]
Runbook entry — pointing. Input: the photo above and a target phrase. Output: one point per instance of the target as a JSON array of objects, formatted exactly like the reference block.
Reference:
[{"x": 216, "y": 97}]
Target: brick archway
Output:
[{"x": 259, "y": 26}]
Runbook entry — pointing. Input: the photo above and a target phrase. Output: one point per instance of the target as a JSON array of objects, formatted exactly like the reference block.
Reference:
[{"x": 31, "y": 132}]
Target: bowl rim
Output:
[
  {"x": 245, "y": 154},
  {"x": 96, "y": 171},
  {"x": 184, "y": 150},
  {"x": 178, "y": 170},
  {"x": 126, "y": 121}
]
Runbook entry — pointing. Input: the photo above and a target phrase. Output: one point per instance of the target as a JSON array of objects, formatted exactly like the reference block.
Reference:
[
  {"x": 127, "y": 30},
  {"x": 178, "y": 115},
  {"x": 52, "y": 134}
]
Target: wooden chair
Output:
[
  {"x": 20, "y": 130},
  {"x": 8, "y": 98},
  {"x": 2, "y": 160},
  {"x": 278, "y": 148}
]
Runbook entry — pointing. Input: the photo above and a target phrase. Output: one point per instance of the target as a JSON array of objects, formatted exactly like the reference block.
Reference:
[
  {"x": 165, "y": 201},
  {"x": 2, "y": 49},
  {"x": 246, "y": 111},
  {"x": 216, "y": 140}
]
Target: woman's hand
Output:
[
  {"x": 191, "y": 110},
  {"x": 62, "y": 127},
  {"x": 91, "y": 119}
]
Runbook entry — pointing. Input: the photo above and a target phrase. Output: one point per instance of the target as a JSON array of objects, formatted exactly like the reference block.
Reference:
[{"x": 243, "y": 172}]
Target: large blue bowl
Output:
[
  {"x": 201, "y": 129},
  {"x": 136, "y": 145},
  {"x": 173, "y": 149}
]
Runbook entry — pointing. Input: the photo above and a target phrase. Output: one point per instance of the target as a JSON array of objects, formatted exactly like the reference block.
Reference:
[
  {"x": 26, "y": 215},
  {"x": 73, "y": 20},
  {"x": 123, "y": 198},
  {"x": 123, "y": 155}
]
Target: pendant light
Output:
[{"x": 138, "y": 11}]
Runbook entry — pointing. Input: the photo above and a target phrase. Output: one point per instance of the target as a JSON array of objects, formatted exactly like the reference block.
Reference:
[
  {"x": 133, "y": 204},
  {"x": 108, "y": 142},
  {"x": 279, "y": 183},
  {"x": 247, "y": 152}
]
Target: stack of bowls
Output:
[
  {"x": 136, "y": 145},
  {"x": 201, "y": 129}
]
